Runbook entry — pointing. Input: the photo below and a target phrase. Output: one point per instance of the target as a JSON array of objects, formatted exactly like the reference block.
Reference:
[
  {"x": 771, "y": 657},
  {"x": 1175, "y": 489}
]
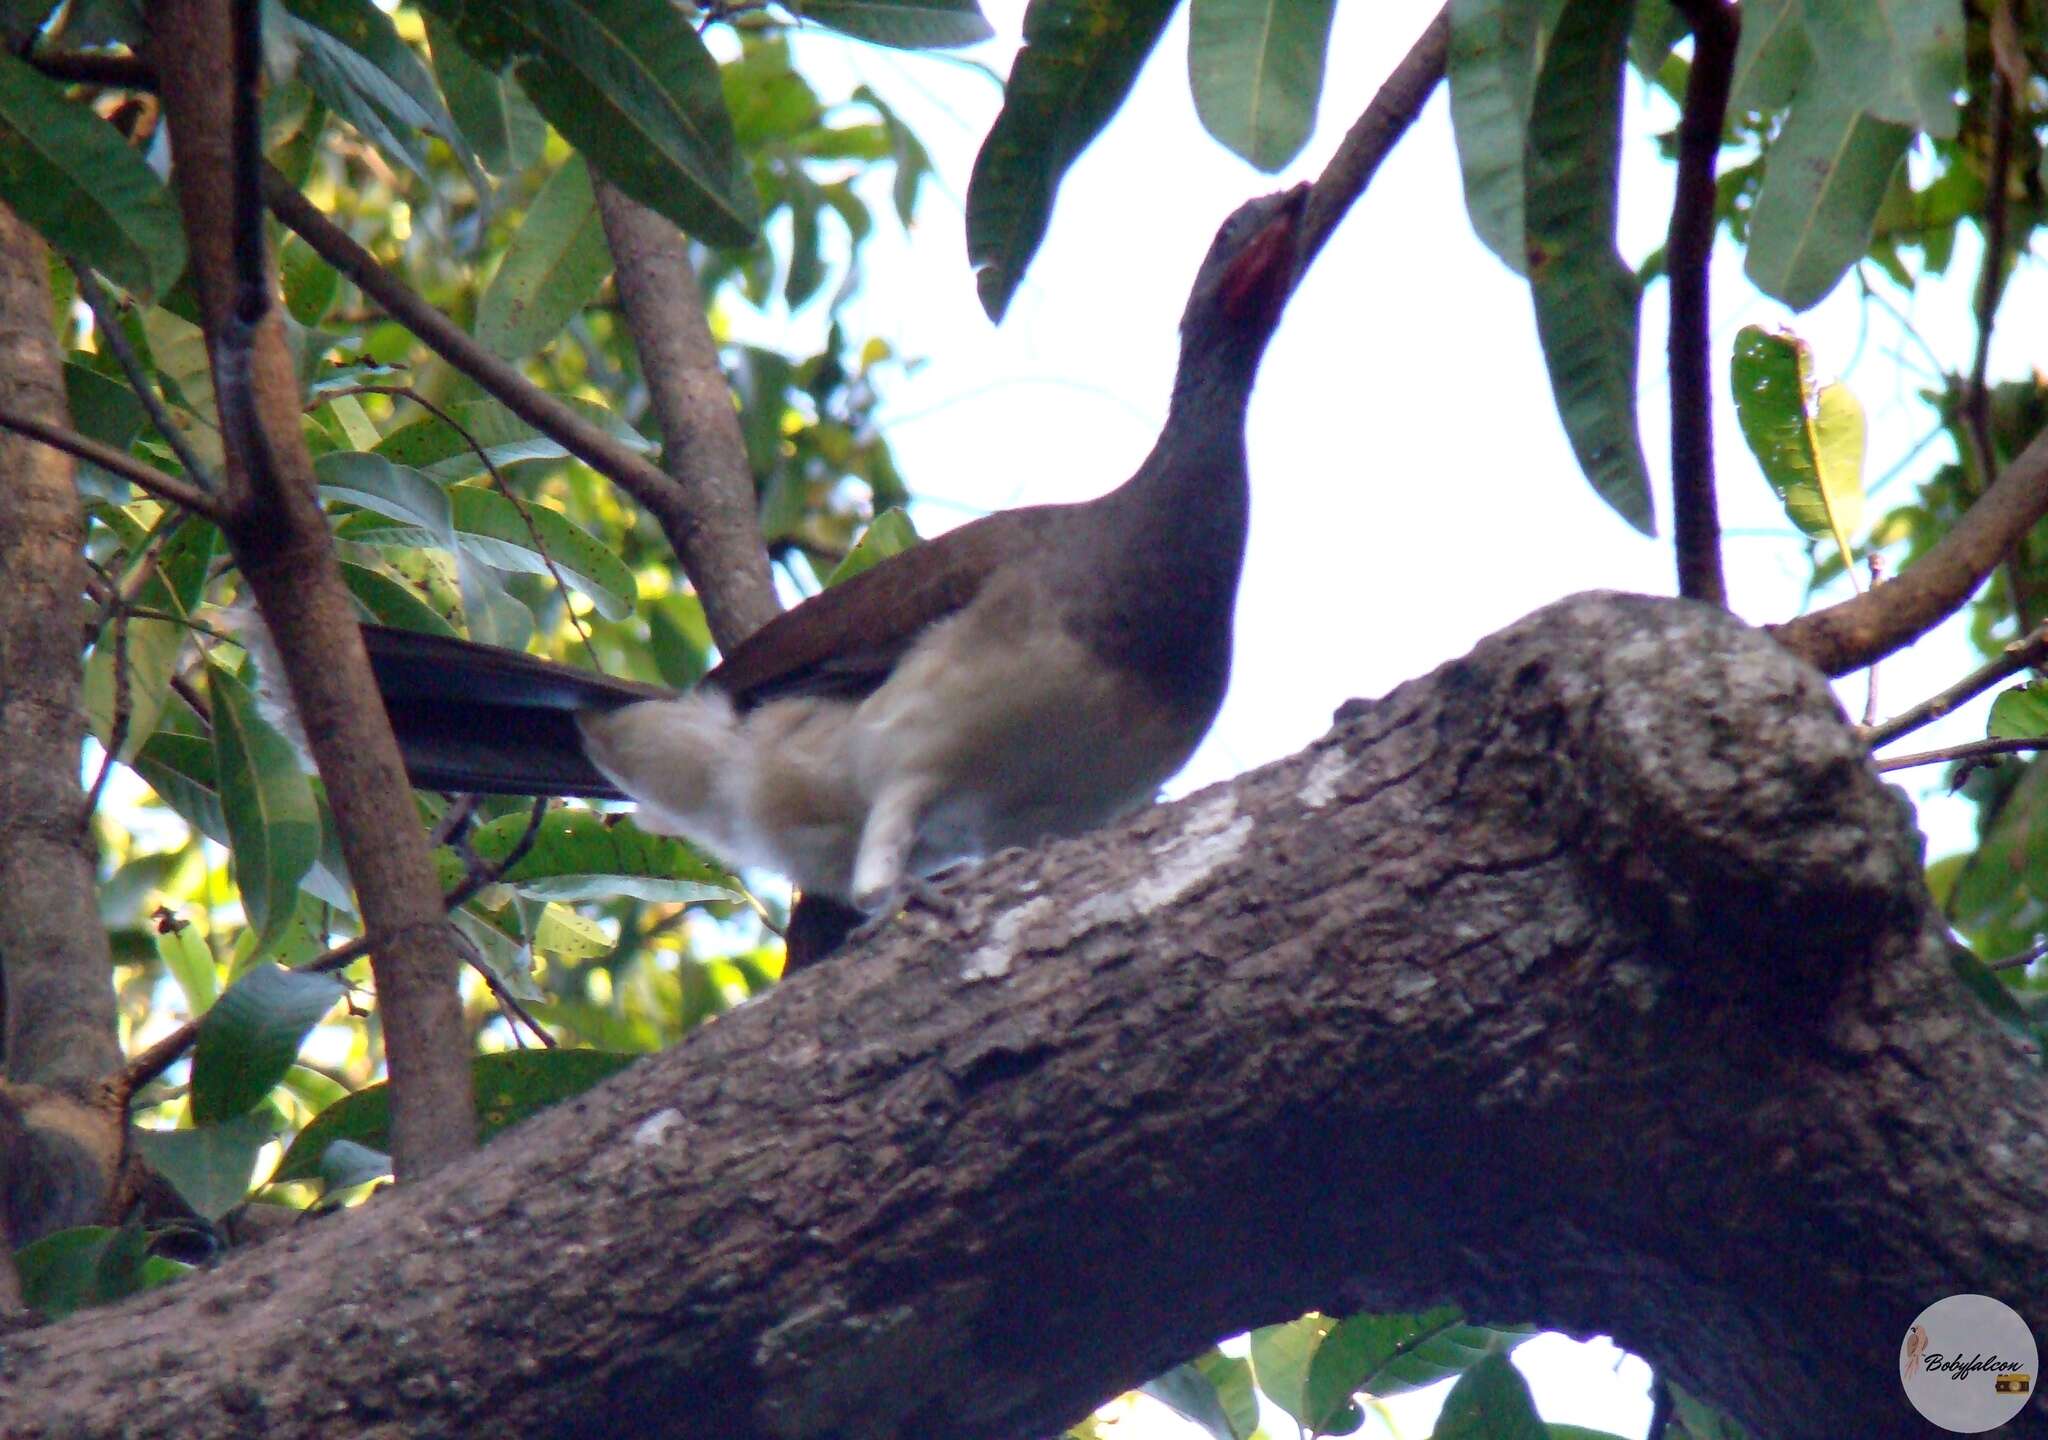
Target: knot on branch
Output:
[{"x": 1718, "y": 784}]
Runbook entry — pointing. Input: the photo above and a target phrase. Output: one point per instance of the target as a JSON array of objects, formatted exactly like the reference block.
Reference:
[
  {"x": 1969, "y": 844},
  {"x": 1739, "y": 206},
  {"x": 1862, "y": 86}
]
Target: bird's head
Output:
[{"x": 1244, "y": 281}]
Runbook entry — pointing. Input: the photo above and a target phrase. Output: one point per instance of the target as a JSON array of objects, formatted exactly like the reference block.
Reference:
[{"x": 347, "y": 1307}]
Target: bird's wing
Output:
[{"x": 845, "y": 641}]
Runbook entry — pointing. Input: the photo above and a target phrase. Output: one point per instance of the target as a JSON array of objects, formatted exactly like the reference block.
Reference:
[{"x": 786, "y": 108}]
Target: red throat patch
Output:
[{"x": 1251, "y": 278}]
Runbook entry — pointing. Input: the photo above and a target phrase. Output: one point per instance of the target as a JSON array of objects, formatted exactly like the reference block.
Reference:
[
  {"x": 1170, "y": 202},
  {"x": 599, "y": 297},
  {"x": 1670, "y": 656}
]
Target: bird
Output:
[{"x": 1036, "y": 673}]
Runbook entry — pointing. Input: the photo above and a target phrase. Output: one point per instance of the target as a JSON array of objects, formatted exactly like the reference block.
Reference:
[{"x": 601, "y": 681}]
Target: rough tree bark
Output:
[{"x": 1589, "y": 981}]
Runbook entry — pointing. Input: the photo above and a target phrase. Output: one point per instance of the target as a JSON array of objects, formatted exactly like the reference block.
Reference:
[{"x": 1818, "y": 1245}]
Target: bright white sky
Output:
[{"x": 1412, "y": 488}]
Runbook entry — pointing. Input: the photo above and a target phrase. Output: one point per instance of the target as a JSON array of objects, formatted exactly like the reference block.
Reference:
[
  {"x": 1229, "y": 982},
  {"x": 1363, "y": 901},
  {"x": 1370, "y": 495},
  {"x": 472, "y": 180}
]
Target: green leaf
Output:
[
  {"x": 1079, "y": 60},
  {"x": 582, "y": 855},
  {"x": 273, "y": 826},
  {"x": 434, "y": 447},
  {"x": 1809, "y": 446},
  {"x": 496, "y": 118},
  {"x": 510, "y": 1086},
  {"x": 252, "y": 1035},
  {"x": 1824, "y": 178},
  {"x": 551, "y": 270},
  {"x": 889, "y": 533},
  {"x": 1491, "y": 1402},
  {"x": 208, "y": 1165},
  {"x": 188, "y": 962},
  {"x": 1214, "y": 1391},
  {"x": 102, "y": 407},
  {"x": 345, "y": 1164},
  {"x": 71, "y": 175},
  {"x": 1256, "y": 68},
  {"x": 1903, "y": 59},
  {"x": 386, "y": 600},
  {"x": 310, "y": 284},
  {"x": 177, "y": 348},
  {"x": 2020, "y": 713},
  {"x": 491, "y": 529},
  {"x": 631, "y": 86},
  {"x": 906, "y": 24},
  {"x": 171, "y": 583},
  {"x": 1496, "y": 50},
  {"x": 1586, "y": 298},
  {"x": 70, "y": 1270},
  {"x": 1771, "y": 58},
  {"x": 1281, "y": 1355},
  {"x": 1692, "y": 1419}
]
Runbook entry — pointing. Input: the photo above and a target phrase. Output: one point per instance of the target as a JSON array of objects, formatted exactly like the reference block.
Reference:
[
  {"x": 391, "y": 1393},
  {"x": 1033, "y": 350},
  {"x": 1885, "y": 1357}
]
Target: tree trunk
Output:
[{"x": 1590, "y": 982}]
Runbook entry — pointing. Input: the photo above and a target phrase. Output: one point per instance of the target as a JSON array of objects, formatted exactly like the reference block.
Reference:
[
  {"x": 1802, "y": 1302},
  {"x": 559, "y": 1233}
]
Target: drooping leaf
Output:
[
  {"x": 1214, "y": 1391},
  {"x": 77, "y": 181},
  {"x": 385, "y": 600},
  {"x": 582, "y": 855},
  {"x": 510, "y": 1086},
  {"x": 1825, "y": 175},
  {"x": 252, "y": 1035},
  {"x": 889, "y": 533},
  {"x": 209, "y": 1165},
  {"x": 906, "y": 24},
  {"x": 273, "y": 826},
  {"x": 1586, "y": 297},
  {"x": 1079, "y": 60},
  {"x": 1281, "y": 1356},
  {"x": 1902, "y": 59},
  {"x": 1810, "y": 445},
  {"x": 434, "y": 447},
  {"x": 1490, "y": 1402},
  {"x": 631, "y": 86},
  {"x": 177, "y": 349},
  {"x": 1496, "y": 49},
  {"x": 551, "y": 270},
  {"x": 1256, "y": 68},
  {"x": 2020, "y": 713}
]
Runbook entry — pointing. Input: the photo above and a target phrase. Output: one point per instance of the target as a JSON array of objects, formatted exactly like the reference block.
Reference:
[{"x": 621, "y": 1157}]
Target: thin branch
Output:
[
  {"x": 1385, "y": 120},
  {"x": 1854, "y": 633},
  {"x": 1877, "y": 568},
  {"x": 2027, "y": 653},
  {"x": 168, "y": 488},
  {"x": 631, "y": 471},
  {"x": 1968, "y": 750},
  {"x": 702, "y": 447},
  {"x": 116, "y": 339},
  {"x": 89, "y": 67},
  {"x": 1688, "y": 247}
]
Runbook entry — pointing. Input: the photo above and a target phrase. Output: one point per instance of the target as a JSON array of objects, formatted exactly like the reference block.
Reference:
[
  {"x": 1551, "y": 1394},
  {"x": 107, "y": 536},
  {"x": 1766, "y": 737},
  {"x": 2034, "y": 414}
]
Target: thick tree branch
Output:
[
  {"x": 611, "y": 457},
  {"x": 1688, "y": 248},
  {"x": 60, "y": 1008},
  {"x": 1888, "y": 617},
  {"x": 702, "y": 448},
  {"x": 1373, "y": 135},
  {"x": 1590, "y": 981},
  {"x": 281, "y": 543}
]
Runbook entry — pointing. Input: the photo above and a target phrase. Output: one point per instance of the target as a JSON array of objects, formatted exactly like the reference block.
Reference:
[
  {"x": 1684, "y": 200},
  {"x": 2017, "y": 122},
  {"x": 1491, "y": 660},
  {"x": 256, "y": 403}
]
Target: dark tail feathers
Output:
[{"x": 476, "y": 717}]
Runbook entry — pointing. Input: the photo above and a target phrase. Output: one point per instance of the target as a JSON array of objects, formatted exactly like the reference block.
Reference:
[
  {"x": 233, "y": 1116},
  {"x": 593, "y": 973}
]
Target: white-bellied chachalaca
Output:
[{"x": 1035, "y": 673}]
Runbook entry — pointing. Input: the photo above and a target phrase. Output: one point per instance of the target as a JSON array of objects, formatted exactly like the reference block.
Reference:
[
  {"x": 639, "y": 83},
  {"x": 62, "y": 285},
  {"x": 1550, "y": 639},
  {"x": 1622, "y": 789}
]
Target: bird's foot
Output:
[{"x": 908, "y": 893}]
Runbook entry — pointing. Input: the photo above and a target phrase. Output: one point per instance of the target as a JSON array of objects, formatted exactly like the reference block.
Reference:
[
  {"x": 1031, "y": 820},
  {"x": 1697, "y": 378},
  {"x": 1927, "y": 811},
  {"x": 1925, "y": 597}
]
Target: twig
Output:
[
  {"x": 1855, "y": 633},
  {"x": 2026, "y": 653},
  {"x": 1976, "y": 406},
  {"x": 167, "y": 488},
  {"x": 632, "y": 472},
  {"x": 117, "y": 729},
  {"x": 1385, "y": 120},
  {"x": 1688, "y": 247},
  {"x": 1968, "y": 750},
  {"x": 2022, "y": 960},
  {"x": 453, "y": 820},
  {"x": 407, "y": 392},
  {"x": 1870, "y": 694},
  {"x": 138, "y": 381}
]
